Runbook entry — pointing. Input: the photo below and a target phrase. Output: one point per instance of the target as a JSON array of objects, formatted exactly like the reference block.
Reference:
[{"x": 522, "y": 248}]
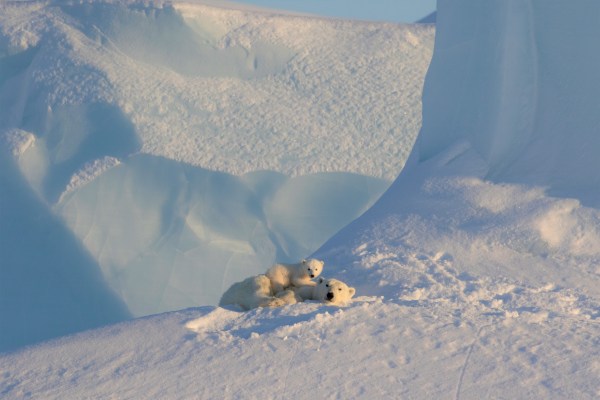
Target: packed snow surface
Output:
[
  {"x": 229, "y": 90},
  {"x": 188, "y": 145},
  {"x": 477, "y": 272}
]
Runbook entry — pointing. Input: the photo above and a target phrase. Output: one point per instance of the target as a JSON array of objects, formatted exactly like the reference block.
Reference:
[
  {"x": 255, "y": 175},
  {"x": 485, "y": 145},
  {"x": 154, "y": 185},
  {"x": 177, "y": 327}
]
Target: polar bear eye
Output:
[
  {"x": 327, "y": 284},
  {"x": 340, "y": 289}
]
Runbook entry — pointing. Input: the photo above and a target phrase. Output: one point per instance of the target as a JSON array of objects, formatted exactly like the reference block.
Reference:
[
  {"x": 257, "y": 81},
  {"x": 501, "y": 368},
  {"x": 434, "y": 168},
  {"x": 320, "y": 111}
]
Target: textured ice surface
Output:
[
  {"x": 468, "y": 286},
  {"x": 527, "y": 104},
  {"x": 169, "y": 235},
  {"x": 222, "y": 89},
  {"x": 189, "y": 145}
]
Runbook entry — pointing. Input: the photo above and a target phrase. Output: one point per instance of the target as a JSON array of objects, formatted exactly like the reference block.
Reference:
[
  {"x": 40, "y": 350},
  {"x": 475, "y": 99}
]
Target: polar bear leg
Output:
[
  {"x": 277, "y": 287},
  {"x": 304, "y": 292},
  {"x": 303, "y": 281},
  {"x": 270, "y": 302},
  {"x": 250, "y": 293},
  {"x": 278, "y": 276},
  {"x": 289, "y": 297}
]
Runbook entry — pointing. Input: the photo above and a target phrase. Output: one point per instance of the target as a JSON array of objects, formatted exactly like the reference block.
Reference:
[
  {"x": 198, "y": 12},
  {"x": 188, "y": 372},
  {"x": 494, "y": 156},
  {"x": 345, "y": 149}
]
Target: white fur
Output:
[
  {"x": 257, "y": 291},
  {"x": 284, "y": 276},
  {"x": 329, "y": 291},
  {"x": 254, "y": 292}
]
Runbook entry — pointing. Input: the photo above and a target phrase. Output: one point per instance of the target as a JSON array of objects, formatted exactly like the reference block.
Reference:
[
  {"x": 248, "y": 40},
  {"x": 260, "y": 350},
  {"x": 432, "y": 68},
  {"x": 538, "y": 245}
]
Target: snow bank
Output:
[
  {"x": 506, "y": 341},
  {"x": 169, "y": 235},
  {"x": 502, "y": 176},
  {"x": 49, "y": 284},
  {"x": 223, "y": 89},
  {"x": 527, "y": 103},
  {"x": 189, "y": 145},
  {"x": 469, "y": 284}
]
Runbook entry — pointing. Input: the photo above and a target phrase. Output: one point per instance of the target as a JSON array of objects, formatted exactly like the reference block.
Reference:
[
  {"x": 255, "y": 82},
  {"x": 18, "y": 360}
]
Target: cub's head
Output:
[
  {"x": 312, "y": 267},
  {"x": 332, "y": 291}
]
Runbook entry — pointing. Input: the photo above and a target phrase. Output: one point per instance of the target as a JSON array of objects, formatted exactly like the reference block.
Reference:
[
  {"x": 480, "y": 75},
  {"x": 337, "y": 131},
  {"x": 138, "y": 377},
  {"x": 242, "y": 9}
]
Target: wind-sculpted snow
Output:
[
  {"x": 476, "y": 272},
  {"x": 446, "y": 336},
  {"x": 527, "y": 103},
  {"x": 221, "y": 89},
  {"x": 49, "y": 284},
  {"x": 169, "y": 235},
  {"x": 189, "y": 145},
  {"x": 502, "y": 176}
]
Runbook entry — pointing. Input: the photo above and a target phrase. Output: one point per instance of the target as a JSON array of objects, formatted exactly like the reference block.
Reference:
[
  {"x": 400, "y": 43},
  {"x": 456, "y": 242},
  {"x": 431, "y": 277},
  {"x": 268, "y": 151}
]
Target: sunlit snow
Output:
[
  {"x": 477, "y": 272},
  {"x": 187, "y": 145}
]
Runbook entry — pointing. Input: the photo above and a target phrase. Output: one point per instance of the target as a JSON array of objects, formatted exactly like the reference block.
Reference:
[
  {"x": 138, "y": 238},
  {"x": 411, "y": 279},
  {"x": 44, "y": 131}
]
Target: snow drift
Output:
[
  {"x": 502, "y": 172},
  {"x": 187, "y": 146},
  {"x": 49, "y": 284},
  {"x": 526, "y": 105},
  {"x": 169, "y": 235},
  {"x": 472, "y": 281}
]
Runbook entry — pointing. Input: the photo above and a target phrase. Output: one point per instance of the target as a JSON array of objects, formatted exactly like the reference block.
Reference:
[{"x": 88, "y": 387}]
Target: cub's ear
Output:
[
  {"x": 304, "y": 261},
  {"x": 321, "y": 280},
  {"x": 351, "y": 291}
]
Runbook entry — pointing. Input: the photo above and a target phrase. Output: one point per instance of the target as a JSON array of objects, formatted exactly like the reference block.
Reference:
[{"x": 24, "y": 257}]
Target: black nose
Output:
[
  {"x": 329, "y": 296},
  {"x": 312, "y": 275}
]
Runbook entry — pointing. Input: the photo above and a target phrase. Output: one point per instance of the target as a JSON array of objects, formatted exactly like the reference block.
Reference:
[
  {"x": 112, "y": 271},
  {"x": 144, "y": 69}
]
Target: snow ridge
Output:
[
  {"x": 255, "y": 91},
  {"x": 183, "y": 102}
]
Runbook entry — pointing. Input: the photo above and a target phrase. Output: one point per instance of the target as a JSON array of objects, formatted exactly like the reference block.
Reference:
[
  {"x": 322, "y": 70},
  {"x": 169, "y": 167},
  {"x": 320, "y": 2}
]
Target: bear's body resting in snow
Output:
[
  {"x": 252, "y": 292},
  {"x": 257, "y": 291},
  {"x": 284, "y": 276}
]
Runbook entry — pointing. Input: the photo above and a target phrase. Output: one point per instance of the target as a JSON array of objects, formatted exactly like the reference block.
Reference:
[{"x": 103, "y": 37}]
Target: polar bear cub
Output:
[
  {"x": 283, "y": 276},
  {"x": 254, "y": 292},
  {"x": 328, "y": 291}
]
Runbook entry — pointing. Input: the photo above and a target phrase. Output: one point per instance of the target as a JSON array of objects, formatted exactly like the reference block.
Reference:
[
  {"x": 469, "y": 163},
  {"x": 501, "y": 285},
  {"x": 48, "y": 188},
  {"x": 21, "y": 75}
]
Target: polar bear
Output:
[
  {"x": 283, "y": 276},
  {"x": 255, "y": 291},
  {"x": 328, "y": 291}
]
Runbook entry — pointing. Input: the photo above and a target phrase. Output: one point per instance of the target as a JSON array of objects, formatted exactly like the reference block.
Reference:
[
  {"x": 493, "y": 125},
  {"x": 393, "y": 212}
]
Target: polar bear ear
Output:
[
  {"x": 304, "y": 261},
  {"x": 351, "y": 291}
]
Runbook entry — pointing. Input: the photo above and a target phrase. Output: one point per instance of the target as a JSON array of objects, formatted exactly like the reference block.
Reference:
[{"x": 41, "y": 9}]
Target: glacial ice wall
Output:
[
  {"x": 177, "y": 147},
  {"x": 518, "y": 81}
]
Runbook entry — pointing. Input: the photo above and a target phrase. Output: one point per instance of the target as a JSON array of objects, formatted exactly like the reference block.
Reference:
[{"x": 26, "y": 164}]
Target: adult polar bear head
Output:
[
  {"x": 328, "y": 291},
  {"x": 333, "y": 291}
]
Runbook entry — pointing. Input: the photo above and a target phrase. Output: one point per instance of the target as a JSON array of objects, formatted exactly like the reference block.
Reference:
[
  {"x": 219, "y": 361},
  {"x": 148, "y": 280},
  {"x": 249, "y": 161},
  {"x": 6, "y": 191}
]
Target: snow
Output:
[
  {"x": 168, "y": 235},
  {"x": 527, "y": 95},
  {"x": 49, "y": 284},
  {"x": 188, "y": 145},
  {"x": 477, "y": 272},
  {"x": 463, "y": 347},
  {"x": 255, "y": 90}
]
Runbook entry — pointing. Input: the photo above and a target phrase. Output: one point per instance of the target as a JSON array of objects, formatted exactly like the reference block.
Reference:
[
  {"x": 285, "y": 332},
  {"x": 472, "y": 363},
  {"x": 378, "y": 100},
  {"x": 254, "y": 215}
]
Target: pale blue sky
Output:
[{"x": 385, "y": 10}]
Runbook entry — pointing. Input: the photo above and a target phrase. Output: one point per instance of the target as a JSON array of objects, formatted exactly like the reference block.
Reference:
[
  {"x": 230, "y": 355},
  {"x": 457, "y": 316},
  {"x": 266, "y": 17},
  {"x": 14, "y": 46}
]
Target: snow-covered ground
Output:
[
  {"x": 477, "y": 272},
  {"x": 188, "y": 145}
]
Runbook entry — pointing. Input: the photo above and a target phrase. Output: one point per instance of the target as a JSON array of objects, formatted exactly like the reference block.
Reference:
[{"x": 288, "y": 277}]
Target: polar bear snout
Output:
[
  {"x": 312, "y": 276},
  {"x": 332, "y": 291}
]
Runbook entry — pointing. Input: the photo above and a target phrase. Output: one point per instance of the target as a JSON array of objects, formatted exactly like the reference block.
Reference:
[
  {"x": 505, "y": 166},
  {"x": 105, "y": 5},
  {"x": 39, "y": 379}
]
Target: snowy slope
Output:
[
  {"x": 470, "y": 285},
  {"x": 473, "y": 339},
  {"x": 228, "y": 90},
  {"x": 49, "y": 284},
  {"x": 188, "y": 145}
]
